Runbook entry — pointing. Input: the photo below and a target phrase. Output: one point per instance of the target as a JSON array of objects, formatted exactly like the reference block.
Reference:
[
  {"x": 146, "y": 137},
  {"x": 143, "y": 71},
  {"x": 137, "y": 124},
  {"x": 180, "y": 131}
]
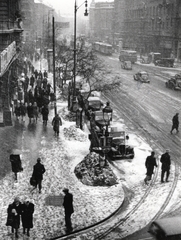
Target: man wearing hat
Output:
[
  {"x": 27, "y": 216},
  {"x": 166, "y": 162},
  {"x": 68, "y": 206},
  {"x": 175, "y": 123},
  {"x": 38, "y": 171}
]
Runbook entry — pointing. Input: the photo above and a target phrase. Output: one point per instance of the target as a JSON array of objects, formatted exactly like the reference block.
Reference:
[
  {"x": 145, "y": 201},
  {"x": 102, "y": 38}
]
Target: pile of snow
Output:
[
  {"x": 91, "y": 172},
  {"x": 73, "y": 133}
]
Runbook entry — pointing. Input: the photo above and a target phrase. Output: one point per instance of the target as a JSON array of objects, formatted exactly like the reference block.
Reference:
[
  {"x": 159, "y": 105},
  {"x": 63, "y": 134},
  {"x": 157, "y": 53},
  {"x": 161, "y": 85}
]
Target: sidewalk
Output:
[{"x": 59, "y": 156}]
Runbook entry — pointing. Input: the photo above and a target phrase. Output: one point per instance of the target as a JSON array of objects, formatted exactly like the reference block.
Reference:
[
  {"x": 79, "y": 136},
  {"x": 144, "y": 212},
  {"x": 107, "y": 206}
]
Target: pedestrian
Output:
[
  {"x": 56, "y": 123},
  {"x": 36, "y": 73},
  {"x": 27, "y": 216},
  {"x": 22, "y": 111},
  {"x": 45, "y": 112},
  {"x": 31, "y": 96},
  {"x": 38, "y": 171},
  {"x": 175, "y": 123},
  {"x": 13, "y": 218},
  {"x": 16, "y": 164},
  {"x": 44, "y": 82},
  {"x": 32, "y": 81},
  {"x": 68, "y": 207},
  {"x": 30, "y": 112},
  {"x": 17, "y": 111},
  {"x": 166, "y": 162},
  {"x": 26, "y": 83},
  {"x": 40, "y": 74},
  {"x": 150, "y": 163},
  {"x": 45, "y": 74},
  {"x": 35, "y": 111}
]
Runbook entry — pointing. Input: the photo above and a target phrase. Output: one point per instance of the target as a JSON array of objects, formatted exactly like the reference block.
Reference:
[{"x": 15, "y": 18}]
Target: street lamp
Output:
[{"x": 75, "y": 24}]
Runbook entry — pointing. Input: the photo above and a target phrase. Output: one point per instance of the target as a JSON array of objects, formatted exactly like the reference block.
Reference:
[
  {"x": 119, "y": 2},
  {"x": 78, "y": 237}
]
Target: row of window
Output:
[{"x": 153, "y": 11}]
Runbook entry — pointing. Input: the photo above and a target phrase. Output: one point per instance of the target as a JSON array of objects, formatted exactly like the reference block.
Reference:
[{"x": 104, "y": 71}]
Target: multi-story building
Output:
[
  {"x": 143, "y": 25},
  {"x": 153, "y": 25},
  {"x": 10, "y": 45},
  {"x": 101, "y": 21}
]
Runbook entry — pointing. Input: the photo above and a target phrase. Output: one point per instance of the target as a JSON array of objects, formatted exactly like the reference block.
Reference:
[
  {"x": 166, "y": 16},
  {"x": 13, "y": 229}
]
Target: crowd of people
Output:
[{"x": 34, "y": 95}]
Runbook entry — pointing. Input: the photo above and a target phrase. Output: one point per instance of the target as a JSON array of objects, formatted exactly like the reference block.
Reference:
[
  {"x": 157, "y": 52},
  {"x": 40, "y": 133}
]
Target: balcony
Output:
[{"x": 10, "y": 26}]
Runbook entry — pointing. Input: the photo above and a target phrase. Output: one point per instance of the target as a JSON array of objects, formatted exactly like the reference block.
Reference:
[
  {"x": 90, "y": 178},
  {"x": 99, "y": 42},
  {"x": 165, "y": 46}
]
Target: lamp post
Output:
[
  {"x": 75, "y": 44},
  {"x": 108, "y": 110}
]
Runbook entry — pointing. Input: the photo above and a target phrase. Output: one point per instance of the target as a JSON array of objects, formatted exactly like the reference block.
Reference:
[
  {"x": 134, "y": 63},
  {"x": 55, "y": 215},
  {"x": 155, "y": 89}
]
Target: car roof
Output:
[
  {"x": 94, "y": 99},
  {"x": 171, "y": 226},
  {"x": 143, "y": 72}
]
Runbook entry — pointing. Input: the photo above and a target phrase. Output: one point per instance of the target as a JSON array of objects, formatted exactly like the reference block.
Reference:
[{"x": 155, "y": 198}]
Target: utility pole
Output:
[{"x": 54, "y": 80}]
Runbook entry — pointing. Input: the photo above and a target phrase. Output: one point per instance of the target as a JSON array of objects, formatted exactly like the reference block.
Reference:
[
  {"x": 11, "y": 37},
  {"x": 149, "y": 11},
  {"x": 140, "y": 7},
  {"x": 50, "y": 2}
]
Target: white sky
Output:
[{"x": 67, "y": 6}]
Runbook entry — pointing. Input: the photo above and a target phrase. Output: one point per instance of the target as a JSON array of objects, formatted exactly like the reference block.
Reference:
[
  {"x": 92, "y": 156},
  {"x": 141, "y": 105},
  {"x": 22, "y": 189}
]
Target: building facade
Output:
[
  {"x": 10, "y": 45},
  {"x": 153, "y": 25},
  {"x": 101, "y": 21},
  {"x": 142, "y": 25}
]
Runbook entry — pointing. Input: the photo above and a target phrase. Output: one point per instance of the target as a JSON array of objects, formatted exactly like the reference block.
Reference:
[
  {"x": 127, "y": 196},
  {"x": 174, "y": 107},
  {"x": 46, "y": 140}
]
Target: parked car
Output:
[
  {"x": 174, "y": 82},
  {"x": 142, "y": 76},
  {"x": 166, "y": 228},
  {"x": 126, "y": 65},
  {"x": 164, "y": 62},
  {"x": 95, "y": 103}
]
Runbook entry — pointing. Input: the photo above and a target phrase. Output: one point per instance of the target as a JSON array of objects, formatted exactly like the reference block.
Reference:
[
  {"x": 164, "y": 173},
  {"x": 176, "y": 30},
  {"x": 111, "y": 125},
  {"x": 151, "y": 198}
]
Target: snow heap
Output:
[
  {"x": 91, "y": 172},
  {"x": 72, "y": 132}
]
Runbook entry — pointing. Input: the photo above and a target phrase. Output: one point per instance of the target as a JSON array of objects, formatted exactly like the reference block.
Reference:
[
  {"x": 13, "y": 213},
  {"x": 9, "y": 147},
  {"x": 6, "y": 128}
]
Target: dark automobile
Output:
[
  {"x": 166, "y": 228},
  {"x": 164, "y": 62},
  {"x": 142, "y": 76},
  {"x": 174, "y": 82},
  {"x": 126, "y": 65}
]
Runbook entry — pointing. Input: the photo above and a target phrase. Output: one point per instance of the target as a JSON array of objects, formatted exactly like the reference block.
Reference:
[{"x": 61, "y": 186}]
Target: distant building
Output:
[{"x": 101, "y": 21}]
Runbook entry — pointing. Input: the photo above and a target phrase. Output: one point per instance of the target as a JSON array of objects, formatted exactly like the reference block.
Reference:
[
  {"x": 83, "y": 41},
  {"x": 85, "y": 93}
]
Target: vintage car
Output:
[
  {"x": 166, "y": 228},
  {"x": 126, "y": 65},
  {"x": 164, "y": 62},
  {"x": 174, "y": 82},
  {"x": 95, "y": 103},
  {"x": 142, "y": 76}
]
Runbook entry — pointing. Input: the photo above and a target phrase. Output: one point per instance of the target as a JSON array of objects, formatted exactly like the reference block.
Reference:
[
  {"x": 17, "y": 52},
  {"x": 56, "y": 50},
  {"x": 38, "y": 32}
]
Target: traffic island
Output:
[{"x": 93, "y": 171}]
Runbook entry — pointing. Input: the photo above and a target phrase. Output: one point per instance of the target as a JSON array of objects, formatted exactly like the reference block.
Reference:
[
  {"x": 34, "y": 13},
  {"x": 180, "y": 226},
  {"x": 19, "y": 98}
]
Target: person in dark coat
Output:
[
  {"x": 45, "y": 112},
  {"x": 150, "y": 163},
  {"x": 36, "y": 73},
  {"x": 40, "y": 74},
  {"x": 13, "y": 218},
  {"x": 45, "y": 74},
  {"x": 30, "y": 112},
  {"x": 35, "y": 111},
  {"x": 68, "y": 207},
  {"x": 32, "y": 81},
  {"x": 26, "y": 83},
  {"x": 175, "y": 123},
  {"x": 16, "y": 164},
  {"x": 17, "y": 111},
  {"x": 166, "y": 162},
  {"x": 23, "y": 109},
  {"x": 31, "y": 96},
  {"x": 27, "y": 216},
  {"x": 38, "y": 171},
  {"x": 56, "y": 123}
]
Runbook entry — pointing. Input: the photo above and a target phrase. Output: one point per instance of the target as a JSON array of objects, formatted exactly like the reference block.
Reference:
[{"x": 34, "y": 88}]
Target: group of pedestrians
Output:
[
  {"x": 165, "y": 159},
  {"x": 23, "y": 212},
  {"x": 151, "y": 163}
]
